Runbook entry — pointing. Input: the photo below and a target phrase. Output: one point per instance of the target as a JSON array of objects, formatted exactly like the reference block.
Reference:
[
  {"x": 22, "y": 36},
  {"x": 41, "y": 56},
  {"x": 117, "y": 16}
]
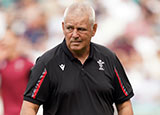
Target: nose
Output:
[{"x": 75, "y": 33}]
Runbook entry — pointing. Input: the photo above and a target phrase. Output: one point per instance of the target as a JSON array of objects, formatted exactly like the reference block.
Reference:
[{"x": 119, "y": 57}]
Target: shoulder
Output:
[
  {"x": 50, "y": 54},
  {"x": 25, "y": 60},
  {"x": 103, "y": 50}
]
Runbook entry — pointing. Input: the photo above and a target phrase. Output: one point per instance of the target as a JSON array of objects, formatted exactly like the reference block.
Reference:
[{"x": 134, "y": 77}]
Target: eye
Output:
[
  {"x": 81, "y": 29},
  {"x": 69, "y": 28}
]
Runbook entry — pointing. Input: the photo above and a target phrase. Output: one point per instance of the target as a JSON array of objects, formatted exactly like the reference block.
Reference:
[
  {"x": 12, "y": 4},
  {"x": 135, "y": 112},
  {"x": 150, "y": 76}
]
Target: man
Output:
[
  {"x": 78, "y": 77},
  {"x": 14, "y": 71}
]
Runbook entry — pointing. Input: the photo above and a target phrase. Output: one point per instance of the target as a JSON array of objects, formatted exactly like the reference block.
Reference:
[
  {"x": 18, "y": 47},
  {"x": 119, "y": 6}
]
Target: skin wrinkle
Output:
[{"x": 78, "y": 31}]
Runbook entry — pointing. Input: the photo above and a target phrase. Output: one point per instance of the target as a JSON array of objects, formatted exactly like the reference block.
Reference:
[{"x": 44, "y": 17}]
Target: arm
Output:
[
  {"x": 29, "y": 108},
  {"x": 125, "y": 108}
]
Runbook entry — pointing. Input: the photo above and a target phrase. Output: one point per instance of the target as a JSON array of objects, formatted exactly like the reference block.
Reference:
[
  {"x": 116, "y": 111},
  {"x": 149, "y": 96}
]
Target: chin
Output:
[{"x": 75, "y": 48}]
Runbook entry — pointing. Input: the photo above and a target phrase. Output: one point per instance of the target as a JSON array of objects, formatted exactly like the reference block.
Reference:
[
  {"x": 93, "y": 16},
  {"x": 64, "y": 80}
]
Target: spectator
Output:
[{"x": 14, "y": 71}]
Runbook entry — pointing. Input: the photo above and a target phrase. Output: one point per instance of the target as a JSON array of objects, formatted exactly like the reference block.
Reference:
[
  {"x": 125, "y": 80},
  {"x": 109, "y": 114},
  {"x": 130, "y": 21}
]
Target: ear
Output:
[
  {"x": 63, "y": 27},
  {"x": 94, "y": 29}
]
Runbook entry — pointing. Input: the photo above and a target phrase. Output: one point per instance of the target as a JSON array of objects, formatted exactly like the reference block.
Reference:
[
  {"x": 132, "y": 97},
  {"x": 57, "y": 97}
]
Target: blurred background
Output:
[{"x": 130, "y": 28}]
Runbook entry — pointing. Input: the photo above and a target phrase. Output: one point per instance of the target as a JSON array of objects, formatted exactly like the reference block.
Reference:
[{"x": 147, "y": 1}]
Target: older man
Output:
[{"x": 78, "y": 77}]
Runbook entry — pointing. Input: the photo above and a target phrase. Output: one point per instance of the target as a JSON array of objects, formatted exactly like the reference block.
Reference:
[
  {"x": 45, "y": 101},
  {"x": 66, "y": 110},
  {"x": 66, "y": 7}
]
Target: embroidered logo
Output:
[
  {"x": 62, "y": 66},
  {"x": 100, "y": 62}
]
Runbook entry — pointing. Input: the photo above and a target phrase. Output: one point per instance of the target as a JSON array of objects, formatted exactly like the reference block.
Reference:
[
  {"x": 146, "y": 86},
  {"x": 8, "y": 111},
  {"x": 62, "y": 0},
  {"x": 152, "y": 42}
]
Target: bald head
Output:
[{"x": 80, "y": 9}]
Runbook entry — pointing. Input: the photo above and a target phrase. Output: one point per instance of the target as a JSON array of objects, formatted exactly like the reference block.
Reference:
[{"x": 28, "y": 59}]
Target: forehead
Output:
[{"x": 77, "y": 19}]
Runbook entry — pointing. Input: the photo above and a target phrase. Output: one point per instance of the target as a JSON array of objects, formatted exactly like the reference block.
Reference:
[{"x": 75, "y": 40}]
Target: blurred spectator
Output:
[
  {"x": 36, "y": 23},
  {"x": 14, "y": 70},
  {"x": 125, "y": 50}
]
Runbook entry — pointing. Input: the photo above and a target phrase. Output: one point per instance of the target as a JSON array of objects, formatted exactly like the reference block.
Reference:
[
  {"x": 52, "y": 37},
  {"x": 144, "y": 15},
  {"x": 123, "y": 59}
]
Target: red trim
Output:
[
  {"x": 39, "y": 84},
  {"x": 120, "y": 82}
]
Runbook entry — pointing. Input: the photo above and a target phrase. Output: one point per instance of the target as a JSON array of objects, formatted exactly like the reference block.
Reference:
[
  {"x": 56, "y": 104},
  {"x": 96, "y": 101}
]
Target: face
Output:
[
  {"x": 8, "y": 43},
  {"x": 78, "y": 32}
]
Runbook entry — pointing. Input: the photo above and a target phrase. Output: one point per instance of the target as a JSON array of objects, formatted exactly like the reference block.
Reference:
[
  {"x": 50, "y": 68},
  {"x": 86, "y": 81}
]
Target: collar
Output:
[{"x": 69, "y": 54}]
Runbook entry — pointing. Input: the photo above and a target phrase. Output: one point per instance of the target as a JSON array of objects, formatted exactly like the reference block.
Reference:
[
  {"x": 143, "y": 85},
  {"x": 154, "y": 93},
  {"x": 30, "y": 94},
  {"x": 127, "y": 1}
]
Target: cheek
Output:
[
  {"x": 68, "y": 37},
  {"x": 86, "y": 42},
  {"x": 87, "y": 38}
]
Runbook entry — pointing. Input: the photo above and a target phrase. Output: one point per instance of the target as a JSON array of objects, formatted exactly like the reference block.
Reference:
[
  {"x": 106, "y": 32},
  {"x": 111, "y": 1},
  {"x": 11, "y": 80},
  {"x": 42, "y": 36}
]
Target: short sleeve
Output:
[
  {"x": 37, "y": 89},
  {"x": 123, "y": 89}
]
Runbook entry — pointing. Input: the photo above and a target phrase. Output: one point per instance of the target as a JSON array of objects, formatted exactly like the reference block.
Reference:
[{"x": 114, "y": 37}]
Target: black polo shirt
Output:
[{"x": 66, "y": 87}]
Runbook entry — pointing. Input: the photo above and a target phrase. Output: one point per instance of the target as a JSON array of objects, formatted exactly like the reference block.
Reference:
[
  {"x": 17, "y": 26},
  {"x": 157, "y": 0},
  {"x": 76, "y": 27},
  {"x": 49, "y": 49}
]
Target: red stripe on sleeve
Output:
[
  {"x": 120, "y": 82},
  {"x": 39, "y": 83}
]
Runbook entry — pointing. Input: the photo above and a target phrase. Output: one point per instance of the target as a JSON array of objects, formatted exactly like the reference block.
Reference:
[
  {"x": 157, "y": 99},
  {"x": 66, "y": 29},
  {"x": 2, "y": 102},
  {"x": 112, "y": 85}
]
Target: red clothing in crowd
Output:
[{"x": 14, "y": 80}]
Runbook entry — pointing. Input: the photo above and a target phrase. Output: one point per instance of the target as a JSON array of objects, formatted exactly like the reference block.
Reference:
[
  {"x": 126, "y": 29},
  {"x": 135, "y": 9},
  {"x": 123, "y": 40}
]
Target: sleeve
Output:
[
  {"x": 123, "y": 89},
  {"x": 37, "y": 90}
]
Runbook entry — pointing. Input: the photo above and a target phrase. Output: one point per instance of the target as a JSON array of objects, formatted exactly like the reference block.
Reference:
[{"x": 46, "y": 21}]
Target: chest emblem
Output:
[
  {"x": 101, "y": 63},
  {"x": 62, "y": 66}
]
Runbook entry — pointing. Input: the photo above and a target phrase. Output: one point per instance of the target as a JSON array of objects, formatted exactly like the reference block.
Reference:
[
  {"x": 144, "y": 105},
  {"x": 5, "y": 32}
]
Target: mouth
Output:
[{"x": 76, "y": 42}]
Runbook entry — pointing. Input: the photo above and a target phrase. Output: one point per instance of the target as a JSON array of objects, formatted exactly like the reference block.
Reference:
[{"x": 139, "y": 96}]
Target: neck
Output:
[
  {"x": 81, "y": 55},
  {"x": 13, "y": 56}
]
